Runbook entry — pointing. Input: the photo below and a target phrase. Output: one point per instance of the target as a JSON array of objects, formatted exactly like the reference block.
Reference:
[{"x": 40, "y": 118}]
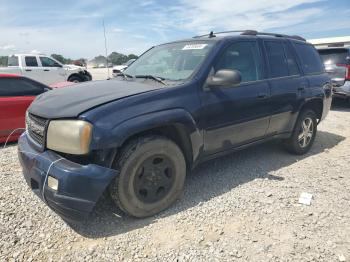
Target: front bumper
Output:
[
  {"x": 80, "y": 186},
  {"x": 342, "y": 91}
]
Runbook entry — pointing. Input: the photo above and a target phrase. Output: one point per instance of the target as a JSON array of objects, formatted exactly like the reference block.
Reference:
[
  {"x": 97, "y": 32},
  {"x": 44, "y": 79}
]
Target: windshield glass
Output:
[{"x": 175, "y": 61}]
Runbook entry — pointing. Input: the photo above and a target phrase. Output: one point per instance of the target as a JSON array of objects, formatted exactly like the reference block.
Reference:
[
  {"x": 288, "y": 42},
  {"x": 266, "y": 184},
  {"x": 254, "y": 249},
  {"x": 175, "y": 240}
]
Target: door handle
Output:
[
  {"x": 46, "y": 70},
  {"x": 262, "y": 96},
  {"x": 302, "y": 87},
  {"x": 28, "y": 70}
]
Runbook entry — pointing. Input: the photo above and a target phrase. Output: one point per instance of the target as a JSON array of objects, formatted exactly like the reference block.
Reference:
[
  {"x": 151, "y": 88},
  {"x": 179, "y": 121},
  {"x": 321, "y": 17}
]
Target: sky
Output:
[{"x": 74, "y": 28}]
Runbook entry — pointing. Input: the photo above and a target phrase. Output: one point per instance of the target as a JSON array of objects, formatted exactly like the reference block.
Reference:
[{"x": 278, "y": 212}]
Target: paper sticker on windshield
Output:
[{"x": 194, "y": 46}]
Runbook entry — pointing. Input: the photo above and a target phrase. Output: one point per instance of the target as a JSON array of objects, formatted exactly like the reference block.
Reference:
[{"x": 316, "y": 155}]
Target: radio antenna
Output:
[{"x": 104, "y": 33}]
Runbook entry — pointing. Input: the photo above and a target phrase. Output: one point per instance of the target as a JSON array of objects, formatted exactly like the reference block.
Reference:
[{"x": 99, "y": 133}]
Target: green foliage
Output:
[
  {"x": 132, "y": 56},
  {"x": 114, "y": 58},
  {"x": 3, "y": 60},
  {"x": 117, "y": 58},
  {"x": 62, "y": 59}
]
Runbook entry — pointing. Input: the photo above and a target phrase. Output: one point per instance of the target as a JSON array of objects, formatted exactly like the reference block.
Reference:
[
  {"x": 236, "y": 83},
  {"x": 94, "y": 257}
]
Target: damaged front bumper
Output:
[{"x": 79, "y": 186}]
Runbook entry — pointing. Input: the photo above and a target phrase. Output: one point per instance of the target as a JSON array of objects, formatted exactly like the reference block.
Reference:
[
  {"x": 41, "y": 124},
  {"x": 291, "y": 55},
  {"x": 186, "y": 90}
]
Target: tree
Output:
[
  {"x": 59, "y": 58},
  {"x": 117, "y": 58},
  {"x": 3, "y": 60},
  {"x": 132, "y": 56}
]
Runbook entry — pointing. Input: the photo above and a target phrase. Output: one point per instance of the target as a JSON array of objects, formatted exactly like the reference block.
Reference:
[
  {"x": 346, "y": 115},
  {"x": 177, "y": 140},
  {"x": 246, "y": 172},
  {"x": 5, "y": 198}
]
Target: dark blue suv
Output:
[{"x": 179, "y": 104}]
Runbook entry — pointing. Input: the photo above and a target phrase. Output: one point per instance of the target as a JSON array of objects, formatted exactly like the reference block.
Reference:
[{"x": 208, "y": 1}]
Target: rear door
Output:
[
  {"x": 335, "y": 61},
  {"x": 313, "y": 68},
  {"x": 288, "y": 86},
  {"x": 16, "y": 94},
  {"x": 31, "y": 68}
]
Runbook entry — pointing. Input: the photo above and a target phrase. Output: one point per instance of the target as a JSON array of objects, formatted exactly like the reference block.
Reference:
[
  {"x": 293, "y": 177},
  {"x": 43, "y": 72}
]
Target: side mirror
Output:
[{"x": 225, "y": 78}]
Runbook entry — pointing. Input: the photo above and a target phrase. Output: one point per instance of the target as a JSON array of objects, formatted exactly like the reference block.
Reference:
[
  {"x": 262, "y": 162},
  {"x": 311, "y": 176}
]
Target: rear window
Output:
[
  {"x": 334, "y": 56},
  {"x": 19, "y": 87},
  {"x": 310, "y": 59},
  {"x": 12, "y": 61}
]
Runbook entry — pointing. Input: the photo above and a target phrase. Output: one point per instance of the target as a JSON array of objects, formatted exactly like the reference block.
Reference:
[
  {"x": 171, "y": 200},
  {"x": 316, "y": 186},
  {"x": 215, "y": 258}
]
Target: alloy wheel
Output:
[{"x": 306, "y": 132}]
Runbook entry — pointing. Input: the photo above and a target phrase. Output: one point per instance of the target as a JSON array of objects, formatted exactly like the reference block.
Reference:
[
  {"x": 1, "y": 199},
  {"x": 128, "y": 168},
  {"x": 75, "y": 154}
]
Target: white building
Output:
[{"x": 331, "y": 41}]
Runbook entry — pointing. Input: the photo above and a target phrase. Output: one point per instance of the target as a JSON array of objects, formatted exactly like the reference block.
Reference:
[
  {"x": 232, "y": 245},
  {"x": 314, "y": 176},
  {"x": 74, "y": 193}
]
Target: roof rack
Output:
[{"x": 251, "y": 32}]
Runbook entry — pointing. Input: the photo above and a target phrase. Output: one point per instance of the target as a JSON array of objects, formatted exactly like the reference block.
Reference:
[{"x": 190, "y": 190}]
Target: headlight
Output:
[{"x": 69, "y": 136}]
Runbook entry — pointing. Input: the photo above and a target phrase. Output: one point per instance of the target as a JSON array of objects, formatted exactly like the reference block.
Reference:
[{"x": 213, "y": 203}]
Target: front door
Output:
[
  {"x": 237, "y": 115},
  {"x": 52, "y": 71}
]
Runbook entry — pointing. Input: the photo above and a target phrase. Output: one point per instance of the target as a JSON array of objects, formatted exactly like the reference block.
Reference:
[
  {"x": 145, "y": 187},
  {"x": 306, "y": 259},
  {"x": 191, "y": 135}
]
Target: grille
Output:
[{"x": 36, "y": 128}]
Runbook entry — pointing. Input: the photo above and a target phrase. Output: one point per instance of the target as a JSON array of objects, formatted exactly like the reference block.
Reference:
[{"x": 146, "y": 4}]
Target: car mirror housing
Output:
[{"x": 225, "y": 78}]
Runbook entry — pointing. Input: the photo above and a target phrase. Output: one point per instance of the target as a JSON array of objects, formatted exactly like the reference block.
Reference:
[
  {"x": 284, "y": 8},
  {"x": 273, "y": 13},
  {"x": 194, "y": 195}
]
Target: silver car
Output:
[{"x": 337, "y": 64}]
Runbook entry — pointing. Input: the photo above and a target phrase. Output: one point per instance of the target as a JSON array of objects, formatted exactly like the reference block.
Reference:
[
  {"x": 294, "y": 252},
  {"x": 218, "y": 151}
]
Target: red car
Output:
[{"x": 16, "y": 94}]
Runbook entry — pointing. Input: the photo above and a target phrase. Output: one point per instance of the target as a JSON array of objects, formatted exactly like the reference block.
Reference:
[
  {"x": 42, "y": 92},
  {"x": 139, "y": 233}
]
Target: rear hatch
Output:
[{"x": 337, "y": 63}]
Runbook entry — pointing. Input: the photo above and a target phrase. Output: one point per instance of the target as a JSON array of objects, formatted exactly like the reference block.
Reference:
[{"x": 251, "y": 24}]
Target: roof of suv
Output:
[{"x": 217, "y": 36}]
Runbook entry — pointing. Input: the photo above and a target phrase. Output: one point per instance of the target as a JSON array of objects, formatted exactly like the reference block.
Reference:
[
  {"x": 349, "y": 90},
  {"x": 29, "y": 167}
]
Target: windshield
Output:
[
  {"x": 175, "y": 61},
  {"x": 129, "y": 62},
  {"x": 334, "y": 56}
]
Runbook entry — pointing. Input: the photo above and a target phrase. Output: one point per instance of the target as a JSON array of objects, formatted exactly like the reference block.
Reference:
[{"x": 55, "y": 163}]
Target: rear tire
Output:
[
  {"x": 304, "y": 133},
  {"x": 151, "y": 177}
]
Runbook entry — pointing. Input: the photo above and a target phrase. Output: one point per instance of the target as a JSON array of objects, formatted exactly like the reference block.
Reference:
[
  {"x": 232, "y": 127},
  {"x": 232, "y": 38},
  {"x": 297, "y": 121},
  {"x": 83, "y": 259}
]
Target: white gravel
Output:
[{"x": 242, "y": 207}]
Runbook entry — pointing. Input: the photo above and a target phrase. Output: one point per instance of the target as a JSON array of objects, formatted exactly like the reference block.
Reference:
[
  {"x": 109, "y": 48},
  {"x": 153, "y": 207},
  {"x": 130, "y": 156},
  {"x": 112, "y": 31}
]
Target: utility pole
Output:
[{"x": 104, "y": 32}]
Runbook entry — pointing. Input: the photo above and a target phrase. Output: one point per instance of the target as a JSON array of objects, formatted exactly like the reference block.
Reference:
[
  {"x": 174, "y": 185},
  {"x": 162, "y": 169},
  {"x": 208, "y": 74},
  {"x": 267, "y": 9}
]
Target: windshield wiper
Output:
[
  {"x": 125, "y": 75},
  {"x": 156, "y": 78}
]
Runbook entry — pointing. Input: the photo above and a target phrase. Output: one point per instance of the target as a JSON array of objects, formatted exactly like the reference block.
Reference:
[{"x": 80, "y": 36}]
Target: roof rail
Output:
[{"x": 251, "y": 32}]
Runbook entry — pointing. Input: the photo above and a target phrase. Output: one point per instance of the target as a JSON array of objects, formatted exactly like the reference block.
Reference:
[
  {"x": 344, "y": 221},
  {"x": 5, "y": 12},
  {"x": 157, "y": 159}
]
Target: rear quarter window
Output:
[{"x": 310, "y": 59}]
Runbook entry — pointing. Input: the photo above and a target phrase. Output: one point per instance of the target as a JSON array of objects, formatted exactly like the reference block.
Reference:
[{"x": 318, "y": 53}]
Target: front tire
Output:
[
  {"x": 75, "y": 79},
  {"x": 304, "y": 133},
  {"x": 152, "y": 172}
]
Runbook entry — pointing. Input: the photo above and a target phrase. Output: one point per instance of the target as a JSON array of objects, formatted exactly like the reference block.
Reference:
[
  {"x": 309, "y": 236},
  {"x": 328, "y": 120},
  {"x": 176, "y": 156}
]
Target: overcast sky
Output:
[{"x": 74, "y": 28}]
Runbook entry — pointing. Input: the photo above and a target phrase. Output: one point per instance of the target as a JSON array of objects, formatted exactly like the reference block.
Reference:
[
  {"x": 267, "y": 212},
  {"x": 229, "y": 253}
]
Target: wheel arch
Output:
[
  {"x": 74, "y": 75},
  {"x": 315, "y": 104},
  {"x": 175, "y": 124}
]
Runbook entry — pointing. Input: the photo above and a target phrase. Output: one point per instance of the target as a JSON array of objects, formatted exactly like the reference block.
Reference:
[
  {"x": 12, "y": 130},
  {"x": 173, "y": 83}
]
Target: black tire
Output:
[
  {"x": 297, "y": 145},
  {"x": 151, "y": 177},
  {"x": 75, "y": 79}
]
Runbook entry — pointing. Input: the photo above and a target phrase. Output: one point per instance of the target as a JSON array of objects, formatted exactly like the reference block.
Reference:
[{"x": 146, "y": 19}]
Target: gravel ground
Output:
[{"x": 242, "y": 207}]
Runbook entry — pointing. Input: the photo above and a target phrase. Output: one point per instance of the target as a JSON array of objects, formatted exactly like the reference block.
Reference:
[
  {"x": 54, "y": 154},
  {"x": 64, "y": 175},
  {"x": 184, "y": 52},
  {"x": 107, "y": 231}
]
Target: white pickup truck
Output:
[{"x": 44, "y": 69}]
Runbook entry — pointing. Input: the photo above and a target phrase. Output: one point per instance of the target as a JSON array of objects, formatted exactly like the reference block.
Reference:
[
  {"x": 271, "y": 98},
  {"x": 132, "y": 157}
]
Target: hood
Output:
[
  {"x": 73, "y": 68},
  {"x": 72, "y": 101}
]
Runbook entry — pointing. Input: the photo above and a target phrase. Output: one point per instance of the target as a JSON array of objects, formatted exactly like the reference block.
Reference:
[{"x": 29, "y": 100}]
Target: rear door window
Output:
[
  {"x": 19, "y": 87},
  {"x": 31, "y": 61},
  {"x": 291, "y": 61},
  {"x": 310, "y": 59},
  {"x": 277, "y": 59},
  {"x": 334, "y": 56},
  {"x": 243, "y": 57}
]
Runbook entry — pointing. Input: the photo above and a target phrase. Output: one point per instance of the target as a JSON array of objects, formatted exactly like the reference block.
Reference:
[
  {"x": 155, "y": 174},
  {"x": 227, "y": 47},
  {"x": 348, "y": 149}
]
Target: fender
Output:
[{"x": 177, "y": 117}]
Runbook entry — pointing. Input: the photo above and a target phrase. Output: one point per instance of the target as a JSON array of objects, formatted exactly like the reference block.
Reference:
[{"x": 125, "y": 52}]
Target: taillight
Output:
[{"x": 347, "y": 73}]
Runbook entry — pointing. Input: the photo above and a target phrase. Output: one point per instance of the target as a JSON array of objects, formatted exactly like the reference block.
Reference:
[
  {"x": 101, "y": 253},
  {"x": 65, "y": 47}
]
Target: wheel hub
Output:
[{"x": 154, "y": 179}]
